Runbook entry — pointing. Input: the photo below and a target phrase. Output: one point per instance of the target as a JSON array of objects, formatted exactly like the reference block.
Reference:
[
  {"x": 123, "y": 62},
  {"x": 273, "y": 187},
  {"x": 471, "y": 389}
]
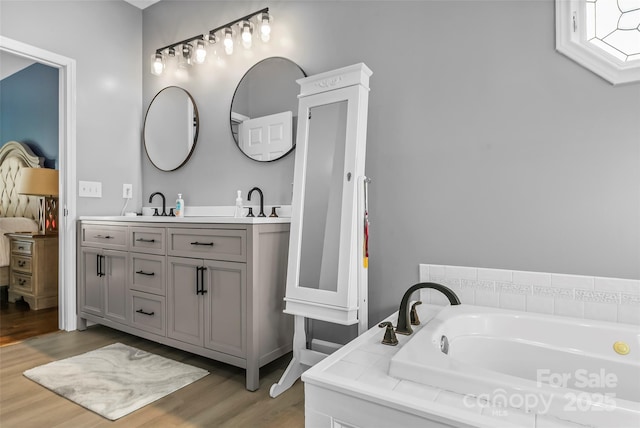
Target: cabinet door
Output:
[
  {"x": 225, "y": 314},
  {"x": 115, "y": 285},
  {"x": 185, "y": 306},
  {"x": 90, "y": 286}
]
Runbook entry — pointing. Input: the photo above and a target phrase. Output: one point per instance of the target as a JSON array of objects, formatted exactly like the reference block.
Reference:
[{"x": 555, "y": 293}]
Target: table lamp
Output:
[{"x": 42, "y": 182}]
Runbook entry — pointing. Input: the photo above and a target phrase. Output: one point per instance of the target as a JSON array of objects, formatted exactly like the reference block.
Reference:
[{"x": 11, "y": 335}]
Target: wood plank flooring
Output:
[
  {"x": 217, "y": 400},
  {"x": 17, "y": 325}
]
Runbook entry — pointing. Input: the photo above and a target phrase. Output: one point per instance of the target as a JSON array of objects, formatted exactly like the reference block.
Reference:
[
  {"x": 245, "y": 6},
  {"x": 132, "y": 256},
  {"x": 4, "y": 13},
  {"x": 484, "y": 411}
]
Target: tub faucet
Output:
[
  {"x": 404, "y": 325},
  {"x": 164, "y": 203},
  {"x": 261, "y": 200}
]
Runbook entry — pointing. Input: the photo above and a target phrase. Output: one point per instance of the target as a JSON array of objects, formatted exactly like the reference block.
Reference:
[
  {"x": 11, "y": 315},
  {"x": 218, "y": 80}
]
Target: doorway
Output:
[{"x": 67, "y": 170}]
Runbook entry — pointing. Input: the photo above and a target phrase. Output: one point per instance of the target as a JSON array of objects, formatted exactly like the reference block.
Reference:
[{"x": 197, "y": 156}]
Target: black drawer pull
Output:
[
  {"x": 140, "y": 311},
  {"x": 22, "y": 281},
  {"x": 210, "y": 244},
  {"x": 104, "y": 237},
  {"x": 145, "y": 240},
  {"x": 21, "y": 248},
  {"x": 21, "y": 263},
  {"x": 141, "y": 272}
]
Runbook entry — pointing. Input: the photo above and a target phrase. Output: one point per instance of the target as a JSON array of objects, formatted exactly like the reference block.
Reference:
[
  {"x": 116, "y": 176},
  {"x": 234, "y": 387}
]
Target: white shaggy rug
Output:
[{"x": 115, "y": 380}]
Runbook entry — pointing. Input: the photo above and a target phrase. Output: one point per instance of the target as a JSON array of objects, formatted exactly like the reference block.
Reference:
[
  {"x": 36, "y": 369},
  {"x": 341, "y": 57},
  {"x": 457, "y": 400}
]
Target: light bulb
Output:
[
  {"x": 157, "y": 64},
  {"x": 201, "y": 52},
  {"x": 184, "y": 61},
  {"x": 228, "y": 41},
  {"x": 246, "y": 35},
  {"x": 265, "y": 28}
]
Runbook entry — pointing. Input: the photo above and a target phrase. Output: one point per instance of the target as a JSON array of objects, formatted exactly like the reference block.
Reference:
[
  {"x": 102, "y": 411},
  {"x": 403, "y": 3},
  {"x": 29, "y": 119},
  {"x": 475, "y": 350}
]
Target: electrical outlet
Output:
[
  {"x": 90, "y": 189},
  {"x": 127, "y": 191}
]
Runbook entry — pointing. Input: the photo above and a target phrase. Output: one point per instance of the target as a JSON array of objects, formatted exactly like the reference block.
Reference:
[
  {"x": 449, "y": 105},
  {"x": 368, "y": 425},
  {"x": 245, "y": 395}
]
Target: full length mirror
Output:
[
  {"x": 264, "y": 109},
  {"x": 320, "y": 244},
  {"x": 171, "y": 128}
]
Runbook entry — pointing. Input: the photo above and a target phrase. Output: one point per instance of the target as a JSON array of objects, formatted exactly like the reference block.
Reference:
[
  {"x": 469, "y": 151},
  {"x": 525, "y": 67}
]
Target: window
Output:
[{"x": 601, "y": 35}]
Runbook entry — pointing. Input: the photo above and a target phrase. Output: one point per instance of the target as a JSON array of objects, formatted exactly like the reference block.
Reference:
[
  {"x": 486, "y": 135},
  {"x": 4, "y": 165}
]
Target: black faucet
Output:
[
  {"x": 164, "y": 203},
  {"x": 261, "y": 200},
  {"x": 404, "y": 325}
]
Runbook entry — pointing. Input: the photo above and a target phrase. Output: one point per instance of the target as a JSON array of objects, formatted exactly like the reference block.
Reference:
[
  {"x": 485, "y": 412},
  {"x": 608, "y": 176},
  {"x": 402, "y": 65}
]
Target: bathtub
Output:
[{"x": 554, "y": 366}]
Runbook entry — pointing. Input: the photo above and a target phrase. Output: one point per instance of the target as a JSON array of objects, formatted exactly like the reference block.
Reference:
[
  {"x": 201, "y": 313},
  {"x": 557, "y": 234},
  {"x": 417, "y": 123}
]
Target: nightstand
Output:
[{"x": 33, "y": 269}]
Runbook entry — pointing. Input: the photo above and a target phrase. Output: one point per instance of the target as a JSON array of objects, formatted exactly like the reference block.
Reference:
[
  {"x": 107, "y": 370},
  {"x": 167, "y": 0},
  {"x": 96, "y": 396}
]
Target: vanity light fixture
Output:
[
  {"x": 228, "y": 41},
  {"x": 185, "y": 60},
  {"x": 265, "y": 27},
  {"x": 247, "y": 34},
  {"x": 201, "y": 52},
  {"x": 194, "y": 49},
  {"x": 157, "y": 64}
]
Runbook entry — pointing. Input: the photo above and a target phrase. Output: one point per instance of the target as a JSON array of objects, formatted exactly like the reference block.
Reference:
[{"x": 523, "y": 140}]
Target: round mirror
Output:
[
  {"x": 171, "y": 128},
  {"x": 264, "y": 109}
]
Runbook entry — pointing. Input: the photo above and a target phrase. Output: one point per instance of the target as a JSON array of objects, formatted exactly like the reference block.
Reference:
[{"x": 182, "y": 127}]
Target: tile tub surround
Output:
[
  {"x": 352, "y": 386},
  {"x": 588, "y": 297}
]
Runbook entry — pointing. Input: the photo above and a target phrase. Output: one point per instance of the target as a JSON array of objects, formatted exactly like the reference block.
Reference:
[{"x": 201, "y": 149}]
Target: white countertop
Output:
[
  {"x": 189, "y": 219},
  {"x": 204, "y": 215}
]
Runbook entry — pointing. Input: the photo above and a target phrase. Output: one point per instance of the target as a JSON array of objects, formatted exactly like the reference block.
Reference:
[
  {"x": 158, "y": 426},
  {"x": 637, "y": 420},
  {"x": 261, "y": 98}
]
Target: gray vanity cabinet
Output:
[
  {"x": 213, "y": 289},
  {"x": 103, "y": 273}
]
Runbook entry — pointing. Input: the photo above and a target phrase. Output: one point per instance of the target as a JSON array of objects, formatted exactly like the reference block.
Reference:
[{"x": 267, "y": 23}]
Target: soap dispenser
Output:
[
  {"x": 239, "y": 207},
  {"x": 179, "y": 206}
]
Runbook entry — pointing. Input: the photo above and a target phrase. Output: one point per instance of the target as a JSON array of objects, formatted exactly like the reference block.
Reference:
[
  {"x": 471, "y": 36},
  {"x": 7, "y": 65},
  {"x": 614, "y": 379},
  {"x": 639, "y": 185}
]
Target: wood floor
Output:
[
  {"x": 217, "y": 400},
  {"x": 17, "y": 325}
]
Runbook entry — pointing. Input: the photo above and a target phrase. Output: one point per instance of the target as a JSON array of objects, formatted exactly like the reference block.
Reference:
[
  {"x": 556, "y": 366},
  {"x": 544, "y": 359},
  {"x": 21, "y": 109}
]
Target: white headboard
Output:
[{"x": 13, "y": 157}]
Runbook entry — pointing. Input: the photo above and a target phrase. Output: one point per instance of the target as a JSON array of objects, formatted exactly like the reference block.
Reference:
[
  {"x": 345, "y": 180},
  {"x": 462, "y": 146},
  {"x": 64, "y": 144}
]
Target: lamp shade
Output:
[{"x": 38, "y": 181}]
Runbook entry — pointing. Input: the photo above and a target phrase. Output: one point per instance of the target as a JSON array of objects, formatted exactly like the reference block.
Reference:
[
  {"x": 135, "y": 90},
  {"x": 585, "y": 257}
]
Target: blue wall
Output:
[{"x": 29, "y": 110}]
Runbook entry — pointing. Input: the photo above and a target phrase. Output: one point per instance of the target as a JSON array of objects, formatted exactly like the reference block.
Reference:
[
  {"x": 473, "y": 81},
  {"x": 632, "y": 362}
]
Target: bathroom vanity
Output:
[{"x": 213, "y": 286}]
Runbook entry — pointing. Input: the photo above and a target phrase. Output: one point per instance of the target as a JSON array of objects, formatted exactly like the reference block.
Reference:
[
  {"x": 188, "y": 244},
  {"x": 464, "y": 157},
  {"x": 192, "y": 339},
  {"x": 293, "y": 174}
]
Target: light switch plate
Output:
[{"x": 90, "y": 189}]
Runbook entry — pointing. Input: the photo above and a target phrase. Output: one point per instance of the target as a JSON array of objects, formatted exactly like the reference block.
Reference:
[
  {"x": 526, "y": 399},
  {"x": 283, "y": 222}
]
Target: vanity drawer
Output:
[
  {"x": 21, "y": 263},
  {"x": 215, "y": 244},
  {"x": 148, "y": 312},
  {"x": 147, "y": 273},
  {"x": 110, "y": 237},
  {"x": 148, "y": 240},
  {"x": 21, "y": 247},
  {"x": 21, "y": 283}
]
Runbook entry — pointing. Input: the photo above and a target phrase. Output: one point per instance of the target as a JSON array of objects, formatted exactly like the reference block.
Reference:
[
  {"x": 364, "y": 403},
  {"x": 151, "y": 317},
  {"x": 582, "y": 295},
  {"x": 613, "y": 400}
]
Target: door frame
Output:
[{"x": 67, "y": 166}]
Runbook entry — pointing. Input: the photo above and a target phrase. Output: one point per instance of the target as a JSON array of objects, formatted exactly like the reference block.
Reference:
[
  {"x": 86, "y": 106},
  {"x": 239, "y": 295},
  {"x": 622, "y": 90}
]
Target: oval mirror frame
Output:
[
  {"x": 164, "y": 140},
  {"x": 269, "y": 89}
]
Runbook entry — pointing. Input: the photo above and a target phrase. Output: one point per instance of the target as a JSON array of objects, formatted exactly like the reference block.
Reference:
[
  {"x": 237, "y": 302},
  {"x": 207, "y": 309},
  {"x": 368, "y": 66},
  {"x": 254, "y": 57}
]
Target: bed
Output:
[{"x": 18, "y": 213}]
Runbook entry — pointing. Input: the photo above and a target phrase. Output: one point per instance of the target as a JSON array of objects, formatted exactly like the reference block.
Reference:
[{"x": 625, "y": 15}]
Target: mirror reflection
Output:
[
  {"x": 320, "y": 245},
  {"x": 171, "y": 128},
  {"x": 264, "y": 109}
]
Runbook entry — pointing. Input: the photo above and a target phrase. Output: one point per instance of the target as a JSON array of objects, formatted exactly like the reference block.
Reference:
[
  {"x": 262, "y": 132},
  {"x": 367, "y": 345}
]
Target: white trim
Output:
[
  {"x": 574, "y": 45},
  {"x": 67, "y": 166}
]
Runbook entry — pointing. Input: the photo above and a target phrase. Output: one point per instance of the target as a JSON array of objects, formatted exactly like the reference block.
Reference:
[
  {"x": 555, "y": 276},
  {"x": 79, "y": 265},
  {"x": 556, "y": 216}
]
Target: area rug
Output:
[{"x": 115, "y": 380}]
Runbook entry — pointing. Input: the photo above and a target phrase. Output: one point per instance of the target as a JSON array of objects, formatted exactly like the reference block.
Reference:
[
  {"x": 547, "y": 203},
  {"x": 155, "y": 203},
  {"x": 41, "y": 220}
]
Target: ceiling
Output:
[
  {"x": 10, "y": 64},
  {"x": 142, "y": 3}
]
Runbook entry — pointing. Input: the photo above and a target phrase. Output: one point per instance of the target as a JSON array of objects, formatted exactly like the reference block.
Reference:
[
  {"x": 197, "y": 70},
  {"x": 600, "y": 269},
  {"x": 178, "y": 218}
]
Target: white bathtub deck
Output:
[{"x": 352, "y": 388}]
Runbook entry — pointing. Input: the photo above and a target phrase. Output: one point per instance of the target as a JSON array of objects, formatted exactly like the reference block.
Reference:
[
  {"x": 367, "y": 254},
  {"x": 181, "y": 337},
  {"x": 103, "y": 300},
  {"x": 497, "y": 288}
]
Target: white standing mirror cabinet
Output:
[
  {"x": 327, "y": 267},
  {"x": 325, "y": 252}
]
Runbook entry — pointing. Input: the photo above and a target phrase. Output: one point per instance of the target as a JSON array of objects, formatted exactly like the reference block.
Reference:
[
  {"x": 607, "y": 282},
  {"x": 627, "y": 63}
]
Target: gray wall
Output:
[
  {"x": 105, "y": 39},
  {"x": 486, "y": 147}
]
